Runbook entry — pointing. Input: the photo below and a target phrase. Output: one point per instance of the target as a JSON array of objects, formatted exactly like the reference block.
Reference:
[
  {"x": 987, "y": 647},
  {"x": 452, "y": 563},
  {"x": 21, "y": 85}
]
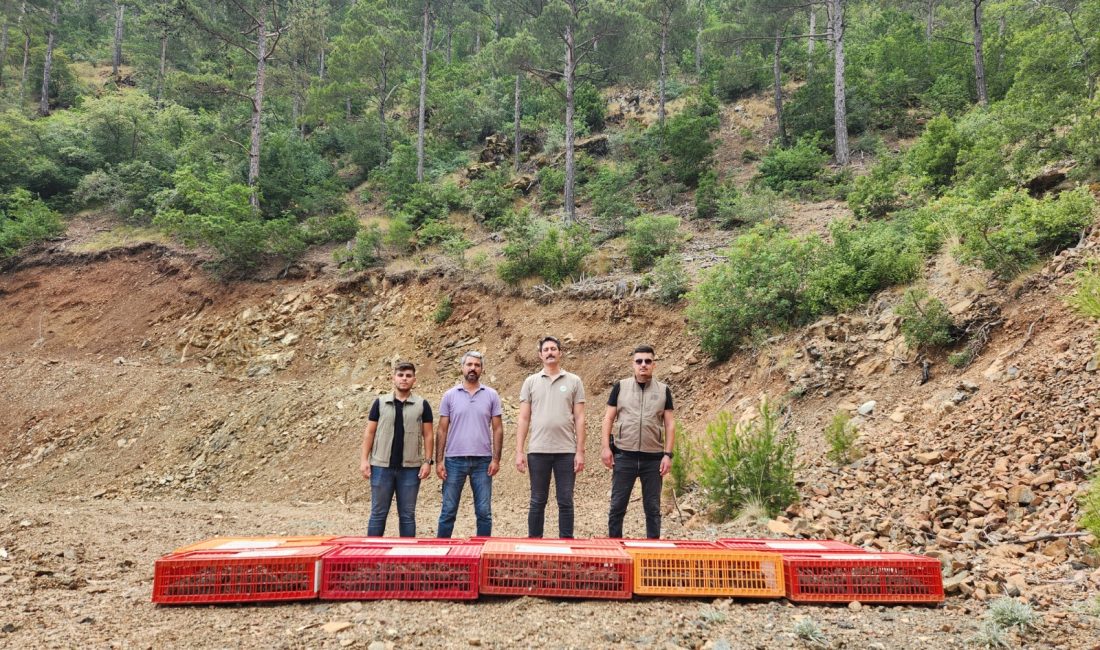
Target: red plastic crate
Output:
[
  {"x": 198, "y": 577},
  {"x": 662, "y": 543},
  {"x": 252, "y": 543},
  {"x": 564, "y": 569},
  {"x": 786, "y": 546},
  {"x": 866, "y": 577},
  {"x": 352, "y": 540},
  {"x": 406, "y": 571}
]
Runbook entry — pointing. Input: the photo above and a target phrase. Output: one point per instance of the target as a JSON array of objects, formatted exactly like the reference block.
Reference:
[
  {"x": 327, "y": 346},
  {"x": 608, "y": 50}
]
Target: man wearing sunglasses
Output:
[
  {"x": 639, "y": 445},
  {"x": 470, "y": 439}
]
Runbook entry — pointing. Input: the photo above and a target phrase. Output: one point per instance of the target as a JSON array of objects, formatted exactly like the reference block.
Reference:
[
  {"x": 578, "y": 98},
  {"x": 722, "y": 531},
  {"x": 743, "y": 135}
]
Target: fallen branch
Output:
[{"x": 1042, "y": 537}]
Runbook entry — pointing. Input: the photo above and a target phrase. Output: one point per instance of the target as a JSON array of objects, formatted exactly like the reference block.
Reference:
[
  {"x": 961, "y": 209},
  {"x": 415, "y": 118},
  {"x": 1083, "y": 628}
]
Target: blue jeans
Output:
[
  {"x": 540, "y": 466},
  {"x": 458, "y": 468},
  {"x": 628, "y": 468},
  {"x": 385, "y": 483}
]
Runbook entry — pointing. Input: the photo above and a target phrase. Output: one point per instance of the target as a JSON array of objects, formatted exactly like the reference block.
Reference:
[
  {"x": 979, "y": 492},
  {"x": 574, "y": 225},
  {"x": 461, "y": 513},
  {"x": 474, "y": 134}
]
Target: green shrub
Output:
[
  {"x": 399, "y": 236},
  {"x": 455, "y": 248},
  {"x": 876, "y": 194},
  {"x": 689, "y": 144},
  {"x": 25, "y": 219},
  {"x": 339, "y": 227},
  {"x": 925, "y": 321},
  {"x": 706, "y": 195},
  {"x": 736, "y": 210},
  {"x": 760, "y": 286},
  {"x": 795, "y": 169},
  {"x": 443, "y": 310},
  {"x": 437, "y": 232},
  {"x": 748, "y": 463},
  {"x": 609, "y": 191},
  {"x": 296, "y": 180},
  {"x": 683, "y": 461},
  {"x": 590, "y": 106},
  {"x": 807, "y": 630},
  {"x": 948, "y": 94},
  {"x": 364, "y": 252},
  {"x": 543, "y": 250},
  {"x": 490, "y": 199},
  {"x": 670, "y": 279},
  {"x": 1008, "y": 232},
  {"x": 1009, "y": 612},
  {"x": 1086, "y": 294},
  {"x": 1090, "y": 506},
  {"x": 430, "y": 201},
  {"x": 841, "y": 435},
  {"x": 739, "y": 76},
  {"x": 935, "y": 154},
  {"x": 863, "y": 259},
  {"x": 651, "y": 237},
  {"x": 551, "y": 186}
]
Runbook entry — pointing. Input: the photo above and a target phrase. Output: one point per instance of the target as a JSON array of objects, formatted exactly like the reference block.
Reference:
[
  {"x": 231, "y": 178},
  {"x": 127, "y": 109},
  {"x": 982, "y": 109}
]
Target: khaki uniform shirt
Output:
[{"x": 552, "y": 400}]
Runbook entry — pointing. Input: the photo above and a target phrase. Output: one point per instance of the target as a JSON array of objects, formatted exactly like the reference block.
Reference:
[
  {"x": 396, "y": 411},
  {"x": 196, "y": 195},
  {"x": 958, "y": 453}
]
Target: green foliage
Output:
[
  {"x": 651, "y": 237},
  {"x": 364, "y": 252},
  {"x": 989, "y": 635},
  {"x": 936, "y": 153},
  {"x": 543, "y": 250},
  {"x": 551, "y": 186},
  {"x": 876, "y": 194},
  {"x": 683, "y": 461},
  {"x": 863, "y": 259},
  {"x": 1009, "y": 231},
  {"x": 925, "y": 321},
  {"x": 748, "y": 463},
  {"x": 590, "y": 106},
  {"x": 1090, "y": 506},
  {"x": 807, "y": 630},
  {"x": 759, "y": 205},
  {"x": 706, "y": 195},
  {"x": 609, "y": 191},
  {"x": 295, "y": 179},
  {"x": 739, "y": 76},
  {"x": 841, "y": 435},
  {"x": 399, "y": 235},
  {"x": 428, "y": 201},
  {"x": 670, "y": 279},
  {"x": 490, "y": 200},
  {"x": 339, "y": 227},
  {"x": 948, "y": 95},
  {"x": 795, "y": 169},
  {"x": 25, "y": 219},
  {"x": 1009, "y": 612},
  {"x": 436, "y": 232},
  {"x": 443, "y": 310},
  {"x": 759, "y": 287},
  {"x": 455, "y": 248},
  {"x": 1086, "y": 294},
  {"x": 688, "y": 141}
]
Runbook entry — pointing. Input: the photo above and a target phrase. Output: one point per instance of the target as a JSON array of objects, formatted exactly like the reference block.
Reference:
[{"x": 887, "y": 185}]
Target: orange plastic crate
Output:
[
  {"x": 198, "y": 577},
  {"x": 866, "y": 577},
  {"x": 251, "y": 543},
  {"x": 697, "y": 568},
  {"x": 564, "y": 569},
  {"x": 406, "y": 571},
  {"x": 785, "y": 546}
]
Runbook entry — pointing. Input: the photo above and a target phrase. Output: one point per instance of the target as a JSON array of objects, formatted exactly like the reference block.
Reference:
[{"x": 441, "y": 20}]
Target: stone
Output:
[
  {"x": 1044, "y": 478},
  {"x": 676, "y": 369},
  {"x": 377, "y": 645},
  {"x": 867, "y": 407},
  {"x": 898, "y": 416},
  {"x": 929, "y": 458},
  {"x": 335, "y": 627},
  {"x": 290, "y": 339},
  {"x": 855, "y": 606},
  {"x": 781, "y": 527},
  {"x": 955, "y": 583},
  {"x": 1020, "y": 494}
]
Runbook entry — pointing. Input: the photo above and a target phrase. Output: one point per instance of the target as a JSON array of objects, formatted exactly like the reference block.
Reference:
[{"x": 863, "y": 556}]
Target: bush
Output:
[
  {"x": 735, "y": 210},
  {"x": 399, "y": 236},
  {"x": 683, "y": 461},
  {"x": 590, "y": 107},
  {"x": 840, "y": 435},
  {"x": 443, "y": 310},
  {"x": 947, "y": 95},
  {"x": 1009, "y": 612},
  {"x": 339, "y": 227},
  {"x": 455, "y": 248},
  {"x": 795, "y": 169},
  {"x": 759, "y": 287},
  {"x": 749, "y": 463},
  {"x": 1085, "y": 298},
  {"x": 1090, "y": 507},
  {"x": 935, "y": 155},
  {"x": 543, "y": 250},
  {"x": 429, "y": 201},
  {"x": 688, "y": 141},
  {"x": 651, "y": 237},
  {"x": 739, "y": 76},
  {"x": 490, "y": 199},
  {"x": 670, "y": 279},
  {"x": 876, "y": 194},
  {"x": 551, "y": 186},
  {"x": 706, "y": 196},
  {"x": 296, "y": 180},
  {"x": 862, "y": 260},
  {"x": 364, "y": 252},
  {"x": 609, "y": 193},
  {"x": 1008, "y": 232},
  {"x": 925, "y": 321},
  {"x": 437, "y": 232},
  {"x": 25, "y": 219}
]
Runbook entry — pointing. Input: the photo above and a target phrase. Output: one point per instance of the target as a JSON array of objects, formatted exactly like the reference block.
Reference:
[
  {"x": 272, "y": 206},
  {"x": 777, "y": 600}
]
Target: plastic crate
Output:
[
  {"x": 352, "y": 540},
  {"x": 198, "y": 577},
  {"x": 785, "y": 546},
  {"x": 602, "y": 541},
  {"x": 696, "y": 568},
  {"x": 406, "y": 571},
  {"x": 251, "y": 543},
  {"x": 866, "y": 577},
  {"x": 564, "y": 569}
]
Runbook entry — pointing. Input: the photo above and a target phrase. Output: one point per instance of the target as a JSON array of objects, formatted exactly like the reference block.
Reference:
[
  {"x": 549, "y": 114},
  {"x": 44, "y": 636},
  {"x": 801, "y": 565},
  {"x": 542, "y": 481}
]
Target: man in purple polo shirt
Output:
[{"x": 470, "y": 438}]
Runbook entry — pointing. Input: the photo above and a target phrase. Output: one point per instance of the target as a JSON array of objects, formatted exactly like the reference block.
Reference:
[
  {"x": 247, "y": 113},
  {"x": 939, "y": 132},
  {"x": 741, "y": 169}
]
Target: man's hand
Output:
[
  {"x": 608, "y": 458},
  {"x": 521, "y": 463},
  {"x": 425, "y": 471},
  {"x": 494, "y": 467},
  {"x": 441, "y": 471},
  {"x": 666, "y": 465},
  {"x": 364, "y": 469},
  {"x": 578, "y": 462}
]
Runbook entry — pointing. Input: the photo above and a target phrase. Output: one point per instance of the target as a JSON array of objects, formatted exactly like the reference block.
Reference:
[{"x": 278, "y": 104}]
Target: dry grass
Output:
[{"x": 120, "y": 236}]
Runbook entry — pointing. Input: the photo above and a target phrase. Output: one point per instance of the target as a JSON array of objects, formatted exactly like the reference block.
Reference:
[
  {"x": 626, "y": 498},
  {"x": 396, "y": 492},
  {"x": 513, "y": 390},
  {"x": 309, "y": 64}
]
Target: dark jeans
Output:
[
  {"x": 458, "y": 468},
  {"x": 385, "y": 483},
  {"x": 540, "y": 466},
  {"x": 629, "y": 467}
]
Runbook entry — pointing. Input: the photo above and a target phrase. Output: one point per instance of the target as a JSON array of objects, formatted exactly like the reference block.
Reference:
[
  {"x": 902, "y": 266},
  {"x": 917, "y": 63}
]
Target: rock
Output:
[
  {"x": 960, "y": 307},
  {"x": 290, "y": 339},
  {"x": 1021, "y": 495},
  {"x": 867, "y": 407},
  {"x": 956, "y": 582},
  {"x": 377, "y": 645},
  {"x": 676, "y": 369},
  {"x": 855, "y": 606},
  {"x": 335, "y": 627},
  {"x": 929, "y": 458},
  {"x": 1046, "y": 477},
  {"x": 474, "y": 641},
  {"x": 1092, "y": 364},
  {"x": 898, "y": 415},
  {"x": 781, "y": 526}
]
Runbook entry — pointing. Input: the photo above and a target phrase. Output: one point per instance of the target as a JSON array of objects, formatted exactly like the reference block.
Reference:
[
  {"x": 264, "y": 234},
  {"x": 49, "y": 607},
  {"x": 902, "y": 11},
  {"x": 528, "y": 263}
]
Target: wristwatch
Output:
[
  {"x": 431, "y": 461},
  {"x": 669, "y": 454}
]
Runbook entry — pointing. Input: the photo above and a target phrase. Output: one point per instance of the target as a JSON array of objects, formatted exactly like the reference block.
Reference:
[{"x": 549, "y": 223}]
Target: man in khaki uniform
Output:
[
  {"x": 640, "y": 446},
  {"x": 552, "y": 410}
]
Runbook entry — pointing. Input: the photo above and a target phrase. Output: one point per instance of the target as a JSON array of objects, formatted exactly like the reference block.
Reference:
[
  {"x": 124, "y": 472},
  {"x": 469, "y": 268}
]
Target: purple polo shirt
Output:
[{"x": 469, "y": 432}]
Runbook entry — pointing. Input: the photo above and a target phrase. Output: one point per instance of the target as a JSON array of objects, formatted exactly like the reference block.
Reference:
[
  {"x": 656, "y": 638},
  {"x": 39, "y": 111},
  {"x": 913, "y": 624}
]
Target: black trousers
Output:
[
  {"x": 540, "y": 466},
  {"x": 628, "y": 468}
]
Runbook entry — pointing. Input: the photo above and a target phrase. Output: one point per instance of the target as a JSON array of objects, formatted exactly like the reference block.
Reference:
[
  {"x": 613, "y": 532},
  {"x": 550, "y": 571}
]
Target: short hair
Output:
[
  {"x": 643, "y": 349},
  {"x": 404, "y": 365},
  {"x": 544, "y": 339},
  {"x": 475, "y": 354}
]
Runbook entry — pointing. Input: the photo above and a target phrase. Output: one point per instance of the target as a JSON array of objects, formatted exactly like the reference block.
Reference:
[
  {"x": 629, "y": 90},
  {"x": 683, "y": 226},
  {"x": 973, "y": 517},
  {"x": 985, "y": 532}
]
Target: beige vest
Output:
[
  {"x": 640, "y": 412},
  {"x": 413, "y": 413}
]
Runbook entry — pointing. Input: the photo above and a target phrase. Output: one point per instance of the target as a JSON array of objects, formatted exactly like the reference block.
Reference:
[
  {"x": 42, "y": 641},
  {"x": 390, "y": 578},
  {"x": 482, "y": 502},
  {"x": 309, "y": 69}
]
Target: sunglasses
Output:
[{"x": 643, "y": 362}]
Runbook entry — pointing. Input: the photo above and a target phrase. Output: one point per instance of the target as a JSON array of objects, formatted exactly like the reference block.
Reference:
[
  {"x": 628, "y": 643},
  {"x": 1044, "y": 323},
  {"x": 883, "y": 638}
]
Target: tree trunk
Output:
[
  {"x": 47, "y": 65},
  {"x": 295, "y": 95},
  {"x": 477, "y": 41},
  {"x": 699, "y": 39},
  {"x": 979, "y": 56},
  {"x": 3, "y": 50},
  {"x": 116, "y": 56},
  {"x": 929, "y": 19},
  {"x": 347, "y": 108},
  {"x": 813, "y": 30},
  {"x": 321, "y": 57},
  {"x": 257, "y": 107},
  {"x": 23, "y": 74},
  {"x": 423, "y": 94},
  {"x": 661, "y": 83},
  {"x": 570, "y": 84},
  {"x": 515, "y": 120},
  {"x": 840, "y": 109},
  {"x": 160, "y": 70},
  {"x": 777, "y": 73}
]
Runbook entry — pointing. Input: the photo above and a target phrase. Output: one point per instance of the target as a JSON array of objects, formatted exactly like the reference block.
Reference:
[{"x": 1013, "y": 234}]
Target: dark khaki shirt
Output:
[{"x": 552, "y": 400}]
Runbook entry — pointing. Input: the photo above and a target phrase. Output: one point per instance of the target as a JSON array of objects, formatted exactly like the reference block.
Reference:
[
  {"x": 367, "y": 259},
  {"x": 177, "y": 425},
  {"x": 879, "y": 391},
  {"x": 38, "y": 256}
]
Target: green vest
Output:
[
  {"x": 641, "y": 425},
  {"x": 413, "y": 413}
]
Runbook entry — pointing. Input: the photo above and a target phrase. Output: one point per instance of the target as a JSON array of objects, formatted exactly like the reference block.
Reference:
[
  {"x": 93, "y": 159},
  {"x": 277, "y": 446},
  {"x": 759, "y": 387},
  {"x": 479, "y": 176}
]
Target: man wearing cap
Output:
[
  {"x": 470, "y": 438},
  {"x": 551, "y": 409},
  {"x": 639, "y": 446}
]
